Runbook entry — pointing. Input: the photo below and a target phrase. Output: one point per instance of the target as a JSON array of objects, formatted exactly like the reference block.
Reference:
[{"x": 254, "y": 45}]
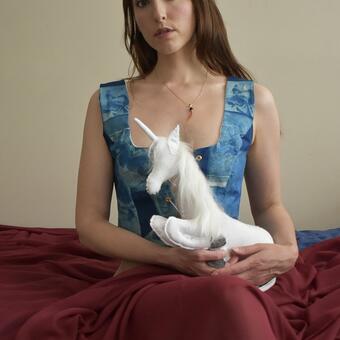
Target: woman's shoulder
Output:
[
  {"x": 120, "y": 83},
  {"x": 266, "y": 115},
  {"x": 264, "y": 99}
]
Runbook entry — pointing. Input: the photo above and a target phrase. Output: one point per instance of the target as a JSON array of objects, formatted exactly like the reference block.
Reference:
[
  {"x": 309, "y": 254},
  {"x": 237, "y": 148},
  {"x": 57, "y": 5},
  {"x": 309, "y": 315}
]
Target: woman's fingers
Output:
[
  {"x": 210, "y": 255},
  {"x": 206, "y": 260},
  {"x": 248, "y": 250},
  {"x": 257, "y": 278},
  {"x": 233, "y": 259}
]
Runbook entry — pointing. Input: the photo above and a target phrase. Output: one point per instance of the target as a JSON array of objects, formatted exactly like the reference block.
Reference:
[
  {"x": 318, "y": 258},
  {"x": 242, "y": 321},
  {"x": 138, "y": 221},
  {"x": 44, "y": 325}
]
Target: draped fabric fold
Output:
[{"x": 52, "y": 287}]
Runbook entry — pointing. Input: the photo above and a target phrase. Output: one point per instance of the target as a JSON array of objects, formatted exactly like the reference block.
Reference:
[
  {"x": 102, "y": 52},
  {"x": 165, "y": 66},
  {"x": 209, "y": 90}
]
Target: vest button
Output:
[{"x": 198, "y": 157}]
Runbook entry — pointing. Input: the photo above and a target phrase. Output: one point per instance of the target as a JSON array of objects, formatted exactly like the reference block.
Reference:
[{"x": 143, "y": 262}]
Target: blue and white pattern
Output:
[{"x": 222, "y": 163}]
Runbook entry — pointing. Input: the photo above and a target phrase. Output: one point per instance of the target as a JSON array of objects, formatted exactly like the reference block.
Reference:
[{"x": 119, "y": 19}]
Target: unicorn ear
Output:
[{"x": 173, "y": 140}]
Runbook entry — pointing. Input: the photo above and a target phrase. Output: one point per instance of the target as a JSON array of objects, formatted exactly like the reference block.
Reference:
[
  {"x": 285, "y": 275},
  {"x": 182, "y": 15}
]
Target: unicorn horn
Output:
[{"x": 146, "y": 129}]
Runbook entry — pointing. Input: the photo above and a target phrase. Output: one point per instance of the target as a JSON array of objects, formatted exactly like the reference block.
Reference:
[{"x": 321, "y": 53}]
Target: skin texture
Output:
[
  {"x": 255, "y": 263},
  {"x": 180, "y": 17},
  {"x": 261, "y": 262},
  {"x": 178, "y": 67}
]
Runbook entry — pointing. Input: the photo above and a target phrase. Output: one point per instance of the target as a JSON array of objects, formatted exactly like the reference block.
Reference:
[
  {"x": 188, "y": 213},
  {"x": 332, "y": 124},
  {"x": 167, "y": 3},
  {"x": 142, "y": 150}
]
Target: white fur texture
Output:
[{"x": 202, "y": 219}]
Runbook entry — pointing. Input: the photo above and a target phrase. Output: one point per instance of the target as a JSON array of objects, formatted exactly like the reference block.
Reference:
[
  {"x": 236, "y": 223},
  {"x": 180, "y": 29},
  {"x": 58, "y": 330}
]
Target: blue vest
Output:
[{"x": 222, "y": 163}]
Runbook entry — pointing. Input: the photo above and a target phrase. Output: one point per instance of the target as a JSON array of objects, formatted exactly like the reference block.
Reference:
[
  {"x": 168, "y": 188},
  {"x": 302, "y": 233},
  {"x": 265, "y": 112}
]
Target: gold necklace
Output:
[{"x": 189, "y": 106}]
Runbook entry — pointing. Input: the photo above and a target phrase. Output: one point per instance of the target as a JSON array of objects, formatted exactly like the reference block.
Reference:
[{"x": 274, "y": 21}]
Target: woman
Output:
[{"x": 188, "y": 76}]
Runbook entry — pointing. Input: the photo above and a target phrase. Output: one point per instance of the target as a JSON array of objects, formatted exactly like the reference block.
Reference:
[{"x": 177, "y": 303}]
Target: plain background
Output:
[{"x": 54, "y": 55}]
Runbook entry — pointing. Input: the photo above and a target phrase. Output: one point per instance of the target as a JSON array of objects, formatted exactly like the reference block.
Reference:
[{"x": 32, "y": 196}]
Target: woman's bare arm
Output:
[
  {"x": 262, "y": 173},
  {"x": 94, "y": 193},
  {"x": 260, "y": 262}
]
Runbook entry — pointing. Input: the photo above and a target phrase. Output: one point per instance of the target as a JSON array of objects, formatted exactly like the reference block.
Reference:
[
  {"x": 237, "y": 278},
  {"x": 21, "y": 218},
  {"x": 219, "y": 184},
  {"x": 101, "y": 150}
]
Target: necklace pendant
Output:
[{"x": 191, "y": 109}]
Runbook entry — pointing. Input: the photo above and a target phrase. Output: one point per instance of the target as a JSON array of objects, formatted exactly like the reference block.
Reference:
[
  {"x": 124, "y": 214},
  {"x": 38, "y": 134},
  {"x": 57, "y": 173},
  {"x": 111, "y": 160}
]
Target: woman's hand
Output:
[
  {"x": 193, "y": 262},
  {"x": 260, "y": 262}
]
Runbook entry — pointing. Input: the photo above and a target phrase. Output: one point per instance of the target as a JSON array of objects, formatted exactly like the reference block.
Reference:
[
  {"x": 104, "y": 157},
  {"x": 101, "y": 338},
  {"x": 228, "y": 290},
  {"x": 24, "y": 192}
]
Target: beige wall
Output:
[{"x": 54, "y": 54}]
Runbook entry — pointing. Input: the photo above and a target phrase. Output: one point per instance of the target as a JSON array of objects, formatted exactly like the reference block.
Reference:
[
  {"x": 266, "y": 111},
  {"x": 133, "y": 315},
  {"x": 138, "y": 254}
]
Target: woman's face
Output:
[{"x": 178, "y": 15}]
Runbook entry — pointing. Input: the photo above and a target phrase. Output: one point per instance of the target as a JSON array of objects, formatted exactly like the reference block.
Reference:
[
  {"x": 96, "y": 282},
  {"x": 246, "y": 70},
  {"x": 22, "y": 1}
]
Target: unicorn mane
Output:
[{"x": 190, "y": 185}]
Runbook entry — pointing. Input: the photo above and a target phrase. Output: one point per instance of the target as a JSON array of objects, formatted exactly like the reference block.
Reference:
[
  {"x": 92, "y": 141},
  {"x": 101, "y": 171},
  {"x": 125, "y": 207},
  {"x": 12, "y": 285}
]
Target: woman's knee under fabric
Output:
[
  {"x": 201, "y": 308},
  {"x": 242, "y": 306}
]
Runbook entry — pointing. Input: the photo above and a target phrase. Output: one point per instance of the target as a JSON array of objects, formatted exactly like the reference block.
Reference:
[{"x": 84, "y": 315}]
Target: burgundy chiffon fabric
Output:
[{"x": 52, "y": 287}]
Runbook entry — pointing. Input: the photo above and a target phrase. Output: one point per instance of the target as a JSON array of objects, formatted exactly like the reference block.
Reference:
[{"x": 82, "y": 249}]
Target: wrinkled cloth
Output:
[{"x": 52, "y": 287}]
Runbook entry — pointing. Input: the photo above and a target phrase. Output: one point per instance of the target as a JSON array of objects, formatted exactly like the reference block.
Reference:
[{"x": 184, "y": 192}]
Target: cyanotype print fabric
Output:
[{"x": 222, "y": 163}]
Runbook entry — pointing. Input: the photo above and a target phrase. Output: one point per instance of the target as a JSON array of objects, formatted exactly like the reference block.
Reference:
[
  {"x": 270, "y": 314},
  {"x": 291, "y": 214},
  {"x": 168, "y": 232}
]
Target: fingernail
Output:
[
  {"x": 236, "y": 249},
  {"x": 214, "y": 273}
]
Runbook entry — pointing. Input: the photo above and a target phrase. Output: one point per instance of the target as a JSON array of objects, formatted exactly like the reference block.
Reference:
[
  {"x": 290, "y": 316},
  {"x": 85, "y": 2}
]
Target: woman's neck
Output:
[{"x": 175, "y": 70}]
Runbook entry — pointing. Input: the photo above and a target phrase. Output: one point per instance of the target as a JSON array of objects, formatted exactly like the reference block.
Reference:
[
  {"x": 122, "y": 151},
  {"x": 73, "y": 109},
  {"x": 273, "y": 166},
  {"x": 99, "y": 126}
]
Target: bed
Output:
[{"x": 52, "y": 287}]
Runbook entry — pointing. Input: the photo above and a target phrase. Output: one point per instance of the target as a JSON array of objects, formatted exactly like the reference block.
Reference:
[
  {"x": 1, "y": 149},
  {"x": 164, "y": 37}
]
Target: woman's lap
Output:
[
  {"x": 219, "y": 307},
  {"x": 303, "y": 304}
]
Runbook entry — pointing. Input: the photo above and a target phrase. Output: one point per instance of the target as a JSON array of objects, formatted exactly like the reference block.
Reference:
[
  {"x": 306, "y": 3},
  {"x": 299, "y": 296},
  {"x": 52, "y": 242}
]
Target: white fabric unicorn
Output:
[{"x": 203, "y": 223}]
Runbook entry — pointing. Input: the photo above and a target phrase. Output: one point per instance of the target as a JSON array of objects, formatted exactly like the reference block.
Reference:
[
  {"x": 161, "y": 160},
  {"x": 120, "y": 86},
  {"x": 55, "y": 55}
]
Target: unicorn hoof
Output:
[
  {"x": 216, "y": 264},
  {"x": 218, "y": 243}
]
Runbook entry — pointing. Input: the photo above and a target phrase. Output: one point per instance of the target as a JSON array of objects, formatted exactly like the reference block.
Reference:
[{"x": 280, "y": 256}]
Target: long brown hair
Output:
[{"x": 212, "y": 45}]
